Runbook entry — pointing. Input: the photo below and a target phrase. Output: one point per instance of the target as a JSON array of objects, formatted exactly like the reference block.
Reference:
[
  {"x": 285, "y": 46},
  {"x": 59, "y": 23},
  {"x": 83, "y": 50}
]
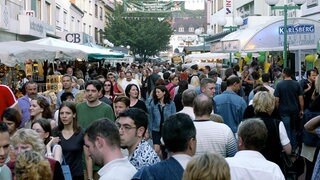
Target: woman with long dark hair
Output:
[
  {"x": 132, "y": 92},
  {"x": 71, "y": 139},
  {"x": 161, "y": 107},
  {"x": 40, "y": 108}
]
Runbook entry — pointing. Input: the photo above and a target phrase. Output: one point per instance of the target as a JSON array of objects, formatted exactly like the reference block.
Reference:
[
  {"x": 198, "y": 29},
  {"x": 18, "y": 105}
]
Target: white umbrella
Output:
[{"x": 16, "y": 52}]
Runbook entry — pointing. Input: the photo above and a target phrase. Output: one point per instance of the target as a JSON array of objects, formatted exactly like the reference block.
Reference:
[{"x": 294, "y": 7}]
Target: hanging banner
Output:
[{"x": 228, "y": 7}]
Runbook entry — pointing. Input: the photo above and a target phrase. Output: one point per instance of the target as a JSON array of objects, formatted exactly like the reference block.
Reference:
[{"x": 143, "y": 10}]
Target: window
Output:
[
  {"x": 96, "y": 35},
  {"x": 191, "y": 29},
  {"x": 220, "y": 4},
  {"x": 48, "y": 13},
  {"x": 72, "y": 24},
  {"x": 89, "y": 6},
  {"x": 181, "y": 29},
  {"x": 96, "y": 10},
  {"x": 101, "y": 35},
  {"x": 65, "y": 17},
  {"x": 84, "y": 27},
  {"x": 101, "y": 13},
  {"x": 78, "y": 26},
  {"x": 38, "y": 12},
  {"x": 57, "y": 14}
]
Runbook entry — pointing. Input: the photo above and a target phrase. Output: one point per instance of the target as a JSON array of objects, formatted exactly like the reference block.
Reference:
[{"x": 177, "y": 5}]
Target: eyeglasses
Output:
[
  {"x": 125, "y": 127},
  {"x": 107, "y": 85}
]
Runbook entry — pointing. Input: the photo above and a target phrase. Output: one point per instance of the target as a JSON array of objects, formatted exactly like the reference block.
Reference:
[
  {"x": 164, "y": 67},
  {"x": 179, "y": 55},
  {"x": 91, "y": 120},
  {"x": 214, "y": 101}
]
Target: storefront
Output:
[{"x": 302, "y": 37}]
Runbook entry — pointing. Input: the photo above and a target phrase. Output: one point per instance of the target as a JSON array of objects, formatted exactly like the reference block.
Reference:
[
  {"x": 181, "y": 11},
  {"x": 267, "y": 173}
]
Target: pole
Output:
[
  {"x": 285, "y": 36},
  {"x": 230, "y": 58},
  {"x": 204, "y": 44}
]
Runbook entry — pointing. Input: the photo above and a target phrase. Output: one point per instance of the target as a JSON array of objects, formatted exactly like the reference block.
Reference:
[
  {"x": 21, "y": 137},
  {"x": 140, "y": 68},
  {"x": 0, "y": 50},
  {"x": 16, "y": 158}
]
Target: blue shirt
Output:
[{"x": 231, "y": 107}]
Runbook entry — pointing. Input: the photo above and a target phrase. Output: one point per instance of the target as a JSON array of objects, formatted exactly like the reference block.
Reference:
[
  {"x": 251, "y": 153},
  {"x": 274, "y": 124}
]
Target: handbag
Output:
[
  {"x": 66, "y": 169},
  {"x": 286, "y": 164}
]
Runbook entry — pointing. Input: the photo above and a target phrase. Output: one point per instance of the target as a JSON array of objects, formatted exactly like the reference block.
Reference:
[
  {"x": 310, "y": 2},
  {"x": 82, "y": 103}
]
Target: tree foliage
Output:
[{"x": 143, "y": 32}]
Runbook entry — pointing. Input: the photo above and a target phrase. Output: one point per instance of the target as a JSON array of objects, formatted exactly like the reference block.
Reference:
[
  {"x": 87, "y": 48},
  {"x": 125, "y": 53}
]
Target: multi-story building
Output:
[
  {"x": 26, "y": 20},
  {"x": 87, "y": 19},
  {"x": 77, "y": 21},
  {"x": 184, "y": 32}
]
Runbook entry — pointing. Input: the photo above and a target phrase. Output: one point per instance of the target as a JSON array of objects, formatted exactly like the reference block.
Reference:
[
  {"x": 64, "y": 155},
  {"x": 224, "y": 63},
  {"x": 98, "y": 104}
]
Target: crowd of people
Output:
[{"x": 160, "y": 122}]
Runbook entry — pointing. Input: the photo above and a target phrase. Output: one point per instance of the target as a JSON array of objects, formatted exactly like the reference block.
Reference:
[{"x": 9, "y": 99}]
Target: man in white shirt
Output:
[
  {"x": 187, "y": 101},
  {"x": 103, "y": 142},
  {"x": 211, "y": 136},
  {"x": 129, "y": 80},
  {"x": 249, "y": 163}
]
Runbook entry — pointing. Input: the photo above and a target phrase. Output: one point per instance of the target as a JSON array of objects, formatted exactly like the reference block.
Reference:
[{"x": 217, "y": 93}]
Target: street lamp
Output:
[
  {"x": 200, "y": 34},
  {"x": 285, "y": 8},
  {"x": 238, "y": 21}
]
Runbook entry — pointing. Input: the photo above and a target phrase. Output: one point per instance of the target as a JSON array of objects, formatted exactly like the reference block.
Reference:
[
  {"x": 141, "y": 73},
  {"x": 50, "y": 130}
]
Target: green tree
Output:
[{"x": 143, "y": 32}]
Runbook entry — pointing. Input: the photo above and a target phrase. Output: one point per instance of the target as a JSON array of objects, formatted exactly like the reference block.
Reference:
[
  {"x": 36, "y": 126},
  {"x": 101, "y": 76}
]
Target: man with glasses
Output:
[
  {"x": 179, "y": 136},
  {"x": 103, "y": 142},
  {"x": 133, "y": 124}
]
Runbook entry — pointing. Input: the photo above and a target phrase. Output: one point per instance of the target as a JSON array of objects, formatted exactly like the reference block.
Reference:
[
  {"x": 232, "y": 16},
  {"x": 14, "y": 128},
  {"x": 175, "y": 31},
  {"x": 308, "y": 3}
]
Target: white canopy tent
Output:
[
  {"x": 17, "y": 52},
  {"x": 98, "y": 53}
]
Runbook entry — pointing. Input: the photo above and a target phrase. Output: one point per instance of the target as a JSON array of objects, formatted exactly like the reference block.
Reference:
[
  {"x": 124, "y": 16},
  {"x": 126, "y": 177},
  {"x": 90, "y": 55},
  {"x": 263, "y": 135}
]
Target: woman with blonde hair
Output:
[
  {"x": 32, "y": 166},
  {"x": 207, "y": 166},
  {"x": 27, "y": 140},
  {"x": 277, "y": 141}
]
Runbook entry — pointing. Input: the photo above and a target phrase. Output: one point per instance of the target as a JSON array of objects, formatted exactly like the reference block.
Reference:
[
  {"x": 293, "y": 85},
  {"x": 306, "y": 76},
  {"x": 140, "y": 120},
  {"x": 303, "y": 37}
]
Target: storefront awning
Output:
[{"x": 303, "y": 34}]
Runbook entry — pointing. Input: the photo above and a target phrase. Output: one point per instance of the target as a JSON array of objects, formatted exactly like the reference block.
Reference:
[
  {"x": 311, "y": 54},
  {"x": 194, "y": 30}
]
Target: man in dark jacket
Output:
[{"x": 179, "y": 136}]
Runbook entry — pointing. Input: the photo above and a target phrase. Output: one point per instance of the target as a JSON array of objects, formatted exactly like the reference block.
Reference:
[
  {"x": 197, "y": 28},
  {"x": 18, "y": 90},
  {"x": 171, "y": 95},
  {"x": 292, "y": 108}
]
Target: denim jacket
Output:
[
  {"x": 231, "y": 107},
  {"x": 154, "y": 114}
]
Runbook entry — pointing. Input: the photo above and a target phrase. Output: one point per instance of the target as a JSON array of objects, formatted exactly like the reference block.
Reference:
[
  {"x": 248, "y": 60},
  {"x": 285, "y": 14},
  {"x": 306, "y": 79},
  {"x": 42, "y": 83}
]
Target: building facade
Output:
[{"x": 77, "y": 21}]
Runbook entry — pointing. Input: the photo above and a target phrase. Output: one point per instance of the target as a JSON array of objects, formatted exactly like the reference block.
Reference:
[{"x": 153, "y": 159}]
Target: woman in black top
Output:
[
  {"x": 71, "y": 139},
  {"x": 132, "y": 92}
]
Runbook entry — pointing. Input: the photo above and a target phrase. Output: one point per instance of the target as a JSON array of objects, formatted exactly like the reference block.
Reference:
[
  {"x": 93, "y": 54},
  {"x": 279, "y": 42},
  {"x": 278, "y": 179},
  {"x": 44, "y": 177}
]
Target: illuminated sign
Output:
[{"x": 299, "y": 29}]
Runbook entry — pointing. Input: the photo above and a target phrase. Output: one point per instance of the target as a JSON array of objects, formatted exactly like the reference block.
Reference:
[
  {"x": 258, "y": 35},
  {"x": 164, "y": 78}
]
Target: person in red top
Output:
[
  {"x": 7, "y": 99},
  {"x": 174, "y": 80}
]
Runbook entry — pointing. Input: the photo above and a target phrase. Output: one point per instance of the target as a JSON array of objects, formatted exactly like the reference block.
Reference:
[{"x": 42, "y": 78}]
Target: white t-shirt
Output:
[{"x": 118, "y": 169}]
